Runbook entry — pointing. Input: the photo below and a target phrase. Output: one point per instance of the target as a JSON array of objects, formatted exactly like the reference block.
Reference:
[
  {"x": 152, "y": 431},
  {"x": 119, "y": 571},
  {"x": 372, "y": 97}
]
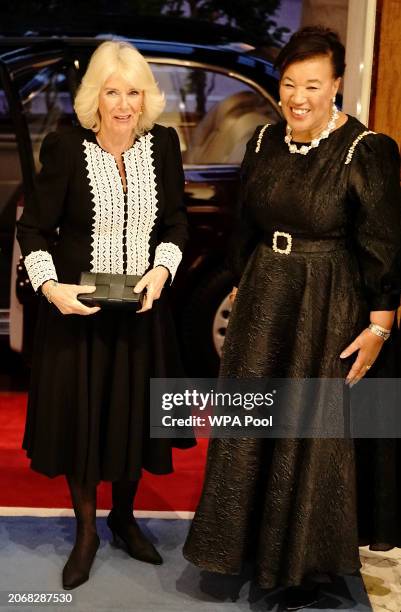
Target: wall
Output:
[{"x": 329, "y": 13}]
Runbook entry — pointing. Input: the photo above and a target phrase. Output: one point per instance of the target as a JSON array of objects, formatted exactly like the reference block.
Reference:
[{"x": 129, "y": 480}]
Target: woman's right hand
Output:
[
  {"x": 233, "y": 294},
  {"x": 64, "y": 297}
]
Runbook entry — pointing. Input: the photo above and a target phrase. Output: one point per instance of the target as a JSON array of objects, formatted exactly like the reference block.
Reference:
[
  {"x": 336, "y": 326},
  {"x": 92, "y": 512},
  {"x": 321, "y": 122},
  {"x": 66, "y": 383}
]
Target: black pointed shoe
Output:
[
  {"x": 76, "y": 570},
  {"x": 129, "y": 534}
]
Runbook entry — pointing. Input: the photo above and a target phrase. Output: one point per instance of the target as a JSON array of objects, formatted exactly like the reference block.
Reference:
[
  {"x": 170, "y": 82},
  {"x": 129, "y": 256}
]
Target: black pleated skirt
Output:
[{"x": 88, "y": 407}]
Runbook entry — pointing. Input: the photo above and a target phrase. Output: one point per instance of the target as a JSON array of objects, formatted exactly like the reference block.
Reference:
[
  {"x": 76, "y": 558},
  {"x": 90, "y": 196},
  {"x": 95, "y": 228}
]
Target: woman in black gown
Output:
[
  {"x": 113, "y": 188},
  {"x": 302, "y": 309}
]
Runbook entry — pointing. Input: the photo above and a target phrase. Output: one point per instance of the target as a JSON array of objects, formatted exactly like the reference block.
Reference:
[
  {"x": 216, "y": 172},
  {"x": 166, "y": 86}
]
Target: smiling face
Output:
[
  {"x": 119, "y": 106},
  {"x": 306, "y": 92}
]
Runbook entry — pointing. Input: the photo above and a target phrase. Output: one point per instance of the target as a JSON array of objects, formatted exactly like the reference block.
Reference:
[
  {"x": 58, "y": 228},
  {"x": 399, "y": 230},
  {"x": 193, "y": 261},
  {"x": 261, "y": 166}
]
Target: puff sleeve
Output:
[
  {"x": 246, "y": 233},
  {"x": 43, "y": 210},
  {"x": 174, "y": 229},
  {"x": 374, "y": 187}
]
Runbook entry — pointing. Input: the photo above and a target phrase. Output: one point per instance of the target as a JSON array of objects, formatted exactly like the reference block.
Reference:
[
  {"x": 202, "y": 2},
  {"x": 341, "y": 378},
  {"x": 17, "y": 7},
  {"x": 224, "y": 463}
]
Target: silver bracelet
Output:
[
  {"x": 47, "y": 294},
  {"x": 382, "y": 332}
]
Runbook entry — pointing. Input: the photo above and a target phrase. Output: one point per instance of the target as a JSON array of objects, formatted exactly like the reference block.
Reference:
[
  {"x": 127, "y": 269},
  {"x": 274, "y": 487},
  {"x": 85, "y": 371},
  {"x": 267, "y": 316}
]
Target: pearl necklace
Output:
[{"x": 304, "y": 149}]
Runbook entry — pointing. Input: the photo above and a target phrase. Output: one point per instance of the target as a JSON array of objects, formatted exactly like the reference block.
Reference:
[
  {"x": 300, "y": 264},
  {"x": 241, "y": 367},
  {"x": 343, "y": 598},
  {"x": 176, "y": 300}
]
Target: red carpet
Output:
[{"x": 21, "y": 486}]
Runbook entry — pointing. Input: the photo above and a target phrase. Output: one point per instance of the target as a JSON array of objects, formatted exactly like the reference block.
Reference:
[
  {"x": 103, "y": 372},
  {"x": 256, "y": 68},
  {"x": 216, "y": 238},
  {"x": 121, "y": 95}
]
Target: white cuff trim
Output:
[
  {"x": 40, "y": 268},
  {"x": 168, "y": 255}
]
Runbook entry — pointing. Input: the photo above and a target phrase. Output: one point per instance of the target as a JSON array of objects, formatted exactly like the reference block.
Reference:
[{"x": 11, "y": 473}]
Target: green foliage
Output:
[
  {"x": 255, "y": 16},
  {"x": 249, "y": 15}
]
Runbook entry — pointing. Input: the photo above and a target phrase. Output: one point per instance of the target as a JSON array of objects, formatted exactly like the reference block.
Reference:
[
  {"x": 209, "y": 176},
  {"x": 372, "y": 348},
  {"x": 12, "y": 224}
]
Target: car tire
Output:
[{"x": 204, "y": 323}]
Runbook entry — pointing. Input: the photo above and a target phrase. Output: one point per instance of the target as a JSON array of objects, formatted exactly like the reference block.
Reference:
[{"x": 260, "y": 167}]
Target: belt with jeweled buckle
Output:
[{"x": 285, "y": 243}]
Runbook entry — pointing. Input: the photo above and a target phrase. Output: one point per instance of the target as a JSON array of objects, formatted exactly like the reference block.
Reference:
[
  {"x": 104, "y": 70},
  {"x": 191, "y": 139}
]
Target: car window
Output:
[
  {"x": 47, "y": 106},
  {"x": 214, "y": 114},
  {"x": 10, "y": 169}
]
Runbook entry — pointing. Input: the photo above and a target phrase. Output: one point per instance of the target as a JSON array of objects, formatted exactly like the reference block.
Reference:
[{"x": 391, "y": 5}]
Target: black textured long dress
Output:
[
  {"x": 88, "y": 409},
  {"x": 296, "y": 508}
]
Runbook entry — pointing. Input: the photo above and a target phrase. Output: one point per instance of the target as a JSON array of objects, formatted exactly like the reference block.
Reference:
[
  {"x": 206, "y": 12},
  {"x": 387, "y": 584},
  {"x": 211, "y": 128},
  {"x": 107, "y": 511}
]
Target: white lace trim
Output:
[
  {"x": 351, "y": 150},
  {"x": 40, "y": 268},
  {"x": 142, "y": 203},
  {"x": 108, "y": 200},
  {"x": 108, "y": 218},
  {"x": 168, "y": 255},
  {"x": 259, "y": 141}
]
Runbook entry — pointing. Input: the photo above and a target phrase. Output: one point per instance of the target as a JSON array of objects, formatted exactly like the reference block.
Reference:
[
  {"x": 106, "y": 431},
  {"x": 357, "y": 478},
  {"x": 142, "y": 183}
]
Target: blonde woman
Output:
[{"x": 113, "y": 188}]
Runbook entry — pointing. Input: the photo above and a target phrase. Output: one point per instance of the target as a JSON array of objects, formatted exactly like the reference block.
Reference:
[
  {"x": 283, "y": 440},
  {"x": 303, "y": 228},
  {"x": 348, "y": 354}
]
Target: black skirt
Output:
[{"x": 88, "y": 407}]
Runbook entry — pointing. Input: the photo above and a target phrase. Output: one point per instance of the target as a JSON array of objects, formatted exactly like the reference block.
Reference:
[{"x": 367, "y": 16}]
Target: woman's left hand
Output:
[
  {"x": 153, "y": 281},
  {"x": 368, "y": 346}
]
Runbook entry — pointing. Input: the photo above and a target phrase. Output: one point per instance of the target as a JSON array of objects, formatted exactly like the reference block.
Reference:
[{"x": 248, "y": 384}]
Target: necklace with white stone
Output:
[{"x": 304, "y": 149}]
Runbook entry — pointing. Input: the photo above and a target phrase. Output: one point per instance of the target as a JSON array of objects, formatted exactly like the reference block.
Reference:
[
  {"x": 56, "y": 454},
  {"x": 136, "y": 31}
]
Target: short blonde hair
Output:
[{"x": 124, "y": 59}]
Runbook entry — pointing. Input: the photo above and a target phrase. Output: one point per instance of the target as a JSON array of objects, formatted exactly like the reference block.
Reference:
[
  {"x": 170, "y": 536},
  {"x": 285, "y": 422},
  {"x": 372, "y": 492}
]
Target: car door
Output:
[{"x": 35, "y": 99}]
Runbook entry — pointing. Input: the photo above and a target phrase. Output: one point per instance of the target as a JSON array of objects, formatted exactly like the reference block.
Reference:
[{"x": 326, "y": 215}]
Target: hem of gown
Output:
[
  {"x": 271, "y": 584},
  {"x": 211, "y": 567},
  {"x": 103, "y": 478},
  {"x": 310, "y": 576}
]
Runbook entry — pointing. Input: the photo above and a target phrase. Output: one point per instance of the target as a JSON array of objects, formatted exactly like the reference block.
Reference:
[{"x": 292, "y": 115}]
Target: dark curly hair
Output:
[{"x": 309, "y": 42}]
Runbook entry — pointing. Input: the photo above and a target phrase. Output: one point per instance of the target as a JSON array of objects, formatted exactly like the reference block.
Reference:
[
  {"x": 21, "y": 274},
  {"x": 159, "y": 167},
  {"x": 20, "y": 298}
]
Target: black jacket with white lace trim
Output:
[{"x": 79, "y": 219}]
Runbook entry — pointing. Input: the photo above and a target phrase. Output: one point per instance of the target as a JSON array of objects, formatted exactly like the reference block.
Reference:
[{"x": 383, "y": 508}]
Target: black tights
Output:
[
  {"x": 83, "y": 496},
  {"x": 123, "y": 495}
]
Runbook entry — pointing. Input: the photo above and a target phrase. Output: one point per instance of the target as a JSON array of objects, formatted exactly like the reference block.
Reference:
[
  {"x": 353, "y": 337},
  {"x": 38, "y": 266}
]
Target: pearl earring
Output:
[{"x": 279, "y": 103}]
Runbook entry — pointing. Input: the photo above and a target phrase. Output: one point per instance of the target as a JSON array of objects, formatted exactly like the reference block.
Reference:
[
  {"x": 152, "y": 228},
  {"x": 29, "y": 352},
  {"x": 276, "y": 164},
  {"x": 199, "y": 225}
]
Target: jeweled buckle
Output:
[{"x": 287, "y": 249}]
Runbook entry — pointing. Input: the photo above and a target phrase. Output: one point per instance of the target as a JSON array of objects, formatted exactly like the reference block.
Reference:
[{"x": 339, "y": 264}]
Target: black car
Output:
[{"x": 216, "y": 96}]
